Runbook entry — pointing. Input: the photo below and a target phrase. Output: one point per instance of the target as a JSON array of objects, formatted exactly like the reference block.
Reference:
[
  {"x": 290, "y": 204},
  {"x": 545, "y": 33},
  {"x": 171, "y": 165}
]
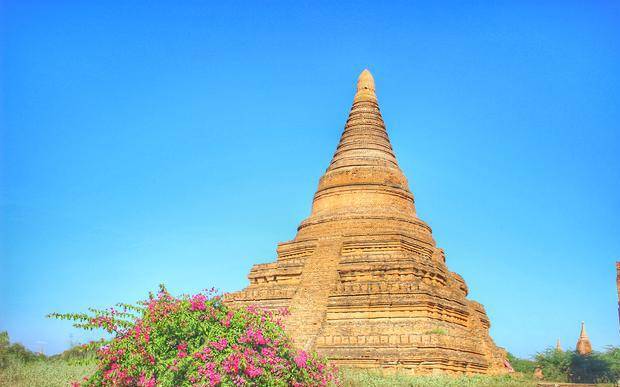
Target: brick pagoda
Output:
[
  {"x": 584, "y": 347},
  {"x": 364, "y": 281}
]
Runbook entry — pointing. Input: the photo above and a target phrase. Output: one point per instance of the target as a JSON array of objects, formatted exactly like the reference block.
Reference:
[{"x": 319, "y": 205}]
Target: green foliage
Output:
[
  {"x": 524, "y": 366},
  {"x": 197, "y": 340},
  {"x": 598, "y": 367},
  {"x": 4, "y": 345},
  {"x": 77, "y": 354},
  {"x": 612, "y": 357},
  {"x": 570, "y": 366},
  {"x": 555, "y": 365},
  {"x": 15, "y": 352}
]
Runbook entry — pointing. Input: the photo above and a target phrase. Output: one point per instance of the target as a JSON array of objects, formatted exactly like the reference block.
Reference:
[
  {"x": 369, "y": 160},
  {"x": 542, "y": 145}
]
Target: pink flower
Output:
[
  {"x": 231, "y": 363},
  {"x": 253, "y": 336},
  {"x": 204, "y": 354},
  {"x": 227, "y": 320},
  {"x": 208, "y": 370},
  {"x": 253, "y": 371},
  {"x": 198, "y": 302},
  {"x": 253, "y": 309},
  {"x": 268, "y": 352},
  {"x": 214, "y": 378},
  {"x": 220, "y": 344},
  {"x": 239, "y": 380},
  {"x": 301, "y": 359},
  {"x": 144, "y": 382},
  {"x": 182, "y": 348}
]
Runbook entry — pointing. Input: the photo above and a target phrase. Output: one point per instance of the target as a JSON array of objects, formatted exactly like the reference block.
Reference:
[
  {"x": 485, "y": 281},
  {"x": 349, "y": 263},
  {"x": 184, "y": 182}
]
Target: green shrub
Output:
[
  {"x": 597, "y": 367},
  {"x": 524, "y": 366},
  {"x": 555, "y": 365},
  {"x": 198, "y": 340},
  {"x": 15, "y": 352},
  {"x": 78, "y": 354},
  {"x": 570, "y": 366},
  {"x": 4, "y": 345}
]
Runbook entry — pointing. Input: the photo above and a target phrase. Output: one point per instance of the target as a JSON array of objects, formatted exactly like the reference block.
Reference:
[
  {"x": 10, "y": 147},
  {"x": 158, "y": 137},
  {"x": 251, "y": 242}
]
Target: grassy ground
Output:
[
  {"x": 60, "y": 373},
  {"x": 353, "y": 378},
  {"x": 57, "y": 373},
  {"x": 47, "y": 373}
]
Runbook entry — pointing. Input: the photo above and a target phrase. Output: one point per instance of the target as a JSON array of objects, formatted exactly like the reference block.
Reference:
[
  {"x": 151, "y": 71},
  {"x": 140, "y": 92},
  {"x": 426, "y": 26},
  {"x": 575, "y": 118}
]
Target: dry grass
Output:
[
  {"x": 43, "y": 373},
  {"x": 357, "y": 378},
  {"x": 57, "y": 373}
]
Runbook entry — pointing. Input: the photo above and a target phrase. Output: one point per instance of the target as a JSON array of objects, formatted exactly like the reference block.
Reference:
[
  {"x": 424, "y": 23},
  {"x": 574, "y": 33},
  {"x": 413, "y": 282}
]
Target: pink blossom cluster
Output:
[
  {"x": 228, "y": 319},
  {"x": 209, "y": 372},
  {"x": 182, "y": 350},
  {"x": 198, "y": 302},
  {"x": 301, "y": 359},
  {"x": 143, "y": 381},
  {"x": 105, "y": 322},
  {"x": 220, "y": 344},
  {"x": 142, "y": 332},
  {"x": 162, "y": 306},
  {"x": 253, "y": 336},
  {"x": 201, "y": 341}
]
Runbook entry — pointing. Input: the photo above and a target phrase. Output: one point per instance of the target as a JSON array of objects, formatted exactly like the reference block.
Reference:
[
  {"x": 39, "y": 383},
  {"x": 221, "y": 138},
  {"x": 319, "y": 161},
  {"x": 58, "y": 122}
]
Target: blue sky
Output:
[{"x": 151, "y": 142}]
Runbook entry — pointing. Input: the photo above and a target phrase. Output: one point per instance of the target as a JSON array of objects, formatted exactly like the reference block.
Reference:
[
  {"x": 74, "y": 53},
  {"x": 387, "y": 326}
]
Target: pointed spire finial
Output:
[
  {"x": 365, "y": 87},
  {"x": 583, "y": 330},
  {"x": 365, "y": 81},
  {"x": 558, "y": 346}
]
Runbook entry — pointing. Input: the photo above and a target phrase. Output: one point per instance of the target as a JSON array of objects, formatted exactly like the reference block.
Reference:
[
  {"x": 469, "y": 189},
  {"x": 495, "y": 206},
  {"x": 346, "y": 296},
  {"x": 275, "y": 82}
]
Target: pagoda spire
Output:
[
  {"x": 584, "y": 347},
  {"x": 364, "y": 140},
  {"x": 365, "y": 87},
  {"x": 558, "y": 346},
  {"x": 363, "y": 177}
]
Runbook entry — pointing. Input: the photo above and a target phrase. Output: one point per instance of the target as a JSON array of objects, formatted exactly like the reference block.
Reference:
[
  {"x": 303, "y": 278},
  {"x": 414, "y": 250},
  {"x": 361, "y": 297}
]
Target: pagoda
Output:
[
  {"x": 363, "y": 280},
  {"x": 584, "y": 347}
]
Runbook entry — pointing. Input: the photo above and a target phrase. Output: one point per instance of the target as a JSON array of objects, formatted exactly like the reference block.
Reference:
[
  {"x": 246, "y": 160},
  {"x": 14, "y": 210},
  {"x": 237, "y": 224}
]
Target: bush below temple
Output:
[{"x": 197, "y": 340}]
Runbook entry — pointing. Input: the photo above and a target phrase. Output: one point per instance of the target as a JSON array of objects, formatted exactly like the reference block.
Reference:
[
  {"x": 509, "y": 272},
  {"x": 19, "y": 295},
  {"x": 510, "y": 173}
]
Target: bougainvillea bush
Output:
[{"x": 197, "y": 341}]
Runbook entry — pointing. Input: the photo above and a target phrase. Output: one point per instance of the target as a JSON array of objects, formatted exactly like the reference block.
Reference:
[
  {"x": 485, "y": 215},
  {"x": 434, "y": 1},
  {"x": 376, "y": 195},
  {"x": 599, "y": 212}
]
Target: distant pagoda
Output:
[
  {"x": 363, "y": 280},
  {"x": 584, "y": 347}
]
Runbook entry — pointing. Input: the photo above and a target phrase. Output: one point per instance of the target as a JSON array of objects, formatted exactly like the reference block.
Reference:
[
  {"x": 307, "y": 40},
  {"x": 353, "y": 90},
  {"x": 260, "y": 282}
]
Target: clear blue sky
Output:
[{"x": 154, "y": 142}]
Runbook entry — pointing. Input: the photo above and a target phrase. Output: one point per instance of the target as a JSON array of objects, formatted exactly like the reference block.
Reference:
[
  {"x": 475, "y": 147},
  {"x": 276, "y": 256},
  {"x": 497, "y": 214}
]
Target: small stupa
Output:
[
  {"x": 364, "y": 281},
  {"x": 584, "y": 347},
  {"x": 558, "y": 346}
]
